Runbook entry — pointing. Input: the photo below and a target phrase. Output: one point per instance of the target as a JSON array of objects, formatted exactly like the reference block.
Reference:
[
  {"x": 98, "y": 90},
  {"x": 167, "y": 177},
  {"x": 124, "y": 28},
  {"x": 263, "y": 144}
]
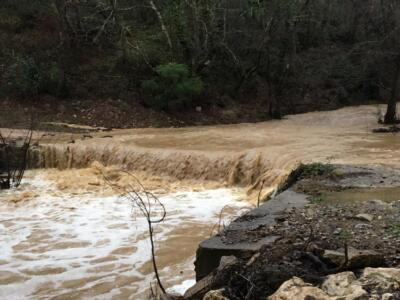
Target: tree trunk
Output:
[
  {"x": 161, "y": 20},
  {"x": 390, "y": 117},
  {"x": 65, "y": 26}
]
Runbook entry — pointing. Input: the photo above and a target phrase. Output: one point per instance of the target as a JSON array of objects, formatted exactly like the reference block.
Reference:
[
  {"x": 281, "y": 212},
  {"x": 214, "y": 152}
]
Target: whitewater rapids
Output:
[{"x": 59, "y": 245}]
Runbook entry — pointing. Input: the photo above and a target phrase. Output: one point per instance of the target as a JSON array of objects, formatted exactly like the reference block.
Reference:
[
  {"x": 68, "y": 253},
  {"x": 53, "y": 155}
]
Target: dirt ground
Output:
[{"x": 111, "y": 113}]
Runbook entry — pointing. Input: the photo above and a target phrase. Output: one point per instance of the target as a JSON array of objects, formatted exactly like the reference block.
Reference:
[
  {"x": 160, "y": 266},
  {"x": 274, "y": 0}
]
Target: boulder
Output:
[
  {"x": 344, "y": 286},
  {"x": 296, "y": 288},
  {"x": 357, "y": 259},
  {"x": 374, "y": 283},
  {"x": 384, "y": 279}
]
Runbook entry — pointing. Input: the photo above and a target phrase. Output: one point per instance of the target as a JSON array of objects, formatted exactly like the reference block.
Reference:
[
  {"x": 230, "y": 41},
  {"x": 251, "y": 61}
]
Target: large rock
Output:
[
  {"x": 344, "y": 286},
  {"x": 296, "y": 288},
  {"x": 357, "y": 259},
  {"x": 384, "y": 279},
  {"x": 375, "y": 283}
]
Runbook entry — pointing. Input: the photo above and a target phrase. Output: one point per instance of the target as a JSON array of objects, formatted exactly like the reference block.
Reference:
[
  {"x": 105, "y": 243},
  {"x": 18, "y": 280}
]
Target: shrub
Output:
[
  {"x": 172, "y": 85},
  {"x": 316, "y": 169},
  {"x": 24, "y": 76},
  {"x": 318, "y": 199},
  {"x": 28, "y": 78}
]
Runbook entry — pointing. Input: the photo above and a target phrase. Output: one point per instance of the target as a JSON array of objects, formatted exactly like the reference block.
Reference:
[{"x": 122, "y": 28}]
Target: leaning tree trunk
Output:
[{"x": 390, "y": 117}]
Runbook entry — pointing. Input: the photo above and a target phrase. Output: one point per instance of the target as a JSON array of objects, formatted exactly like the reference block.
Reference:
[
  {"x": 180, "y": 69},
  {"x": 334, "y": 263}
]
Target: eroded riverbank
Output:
[{"x": 312, "y": 230}]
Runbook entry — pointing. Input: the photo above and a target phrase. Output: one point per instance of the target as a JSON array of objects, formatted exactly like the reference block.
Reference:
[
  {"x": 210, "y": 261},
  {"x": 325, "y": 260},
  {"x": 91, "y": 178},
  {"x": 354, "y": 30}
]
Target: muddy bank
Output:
[
  {"x": 117, "y": 113},
  {"x": 309, "y": 231}
]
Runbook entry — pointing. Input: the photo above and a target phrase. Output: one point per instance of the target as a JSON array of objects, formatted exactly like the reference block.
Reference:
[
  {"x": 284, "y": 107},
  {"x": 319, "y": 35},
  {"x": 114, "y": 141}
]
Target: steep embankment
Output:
[{"x": 243, "y": 154}]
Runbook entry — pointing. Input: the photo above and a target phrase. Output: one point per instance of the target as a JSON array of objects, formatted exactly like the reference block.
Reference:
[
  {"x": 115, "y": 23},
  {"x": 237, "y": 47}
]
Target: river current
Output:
[{"x": 65, "y": 235}]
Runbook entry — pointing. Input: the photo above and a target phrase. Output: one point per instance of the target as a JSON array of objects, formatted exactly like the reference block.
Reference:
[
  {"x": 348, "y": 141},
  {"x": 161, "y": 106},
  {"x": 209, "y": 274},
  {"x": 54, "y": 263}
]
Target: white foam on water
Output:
[
  {"x": 183, "y": 287},
  {"x": 55, "y": 238}
]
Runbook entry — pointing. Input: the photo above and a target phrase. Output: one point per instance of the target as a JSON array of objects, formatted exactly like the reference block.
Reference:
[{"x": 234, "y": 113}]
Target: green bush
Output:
[
  {"x": 318, "y": 199},
  {"x": 172, "y": 85},
  {"x": 26, "y": 77}
]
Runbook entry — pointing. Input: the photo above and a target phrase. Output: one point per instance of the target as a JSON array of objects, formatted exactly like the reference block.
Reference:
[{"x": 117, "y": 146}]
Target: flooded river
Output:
[
  {"x": 85, "y": 245},
  {"x": 230, "y": 155},
  {"x": 63, "y": 235}
]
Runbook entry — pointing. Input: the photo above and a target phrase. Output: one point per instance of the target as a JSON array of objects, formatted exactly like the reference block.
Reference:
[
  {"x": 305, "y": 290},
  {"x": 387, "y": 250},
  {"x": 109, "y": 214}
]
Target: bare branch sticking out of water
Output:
[
  {"x": 13, "y": 159},
  {"x": 221, "y": 225},
  {"x": 217, "y": 227},
  {"x": 259, "y": 193},
  {"x": 149, "y": 206}
]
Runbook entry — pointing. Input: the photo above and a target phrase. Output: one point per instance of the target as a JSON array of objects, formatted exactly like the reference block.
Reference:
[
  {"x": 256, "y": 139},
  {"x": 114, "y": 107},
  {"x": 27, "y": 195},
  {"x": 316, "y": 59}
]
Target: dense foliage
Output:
[
  {"x": 172, "y": 86},
  {"x": 286, "y": 54}
]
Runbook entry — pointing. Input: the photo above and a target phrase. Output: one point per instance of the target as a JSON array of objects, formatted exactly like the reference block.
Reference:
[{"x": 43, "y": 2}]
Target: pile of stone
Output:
[{"x": 374, "y": 283}]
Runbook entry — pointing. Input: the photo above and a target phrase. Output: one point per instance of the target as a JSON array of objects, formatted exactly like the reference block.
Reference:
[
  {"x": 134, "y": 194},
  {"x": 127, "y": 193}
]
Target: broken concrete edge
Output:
[{"x": 210, "y": 251}]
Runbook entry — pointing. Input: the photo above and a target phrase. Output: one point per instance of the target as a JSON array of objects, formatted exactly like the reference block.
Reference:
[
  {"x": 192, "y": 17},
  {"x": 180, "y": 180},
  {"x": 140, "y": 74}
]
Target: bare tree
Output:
[
  {"x": 390, "y": 116},
  {"x": 148, "y": 205},
  {"x": 162, "y": 23},
  {"x": 13, "y": 159}
]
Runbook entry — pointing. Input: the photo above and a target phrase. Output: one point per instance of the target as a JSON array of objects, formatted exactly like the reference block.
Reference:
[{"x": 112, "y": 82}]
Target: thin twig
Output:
[
  {"x": 259, "y": 193},
  {"x": 144, "y": 201}
]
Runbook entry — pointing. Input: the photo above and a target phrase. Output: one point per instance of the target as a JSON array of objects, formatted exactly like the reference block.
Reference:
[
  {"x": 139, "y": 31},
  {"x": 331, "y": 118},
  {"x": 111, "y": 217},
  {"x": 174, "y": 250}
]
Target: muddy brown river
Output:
[
  {"x": 64, "y": 244},
  {"x": 65, "y": 235}
]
